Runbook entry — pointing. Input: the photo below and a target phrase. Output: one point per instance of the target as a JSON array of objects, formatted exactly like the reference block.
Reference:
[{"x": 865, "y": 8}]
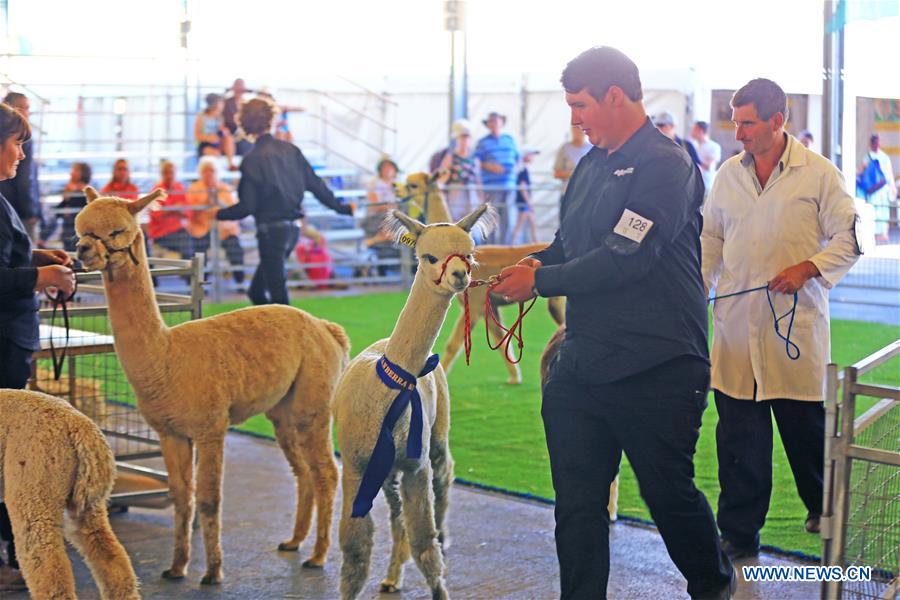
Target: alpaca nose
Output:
[{"x": 459, "y": 274}]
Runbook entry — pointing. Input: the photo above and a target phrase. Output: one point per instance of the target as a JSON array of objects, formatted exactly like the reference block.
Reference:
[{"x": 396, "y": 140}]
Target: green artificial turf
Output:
[{"x": 497, "y": 437}]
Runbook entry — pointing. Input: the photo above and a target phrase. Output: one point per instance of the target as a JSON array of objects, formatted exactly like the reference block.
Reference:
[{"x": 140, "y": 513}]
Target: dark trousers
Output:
[
  {"x": 744, "y": 448},
  {"x": 276, "y": 241},
  {"x": 654, "y": 417},
  {"x": 233, "y": 251},
  {"x": 15, "y": 369}
]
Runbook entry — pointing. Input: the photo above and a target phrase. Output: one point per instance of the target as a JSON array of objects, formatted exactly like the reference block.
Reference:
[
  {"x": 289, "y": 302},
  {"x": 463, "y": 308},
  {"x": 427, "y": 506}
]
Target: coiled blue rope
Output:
[{"x": 790, "y": 348}]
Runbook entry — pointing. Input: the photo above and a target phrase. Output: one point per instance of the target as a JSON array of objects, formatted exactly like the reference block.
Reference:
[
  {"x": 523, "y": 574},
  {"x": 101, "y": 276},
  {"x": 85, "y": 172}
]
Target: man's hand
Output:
[
  {"x": 530, "y": 261},
  {"x": 792, "y": 279},
  {"x": 42, "y": 258},
  {"x": 516, "y": 283},
  {"x": 493, "y": 167},
  {"x": 58, "y": 276}
]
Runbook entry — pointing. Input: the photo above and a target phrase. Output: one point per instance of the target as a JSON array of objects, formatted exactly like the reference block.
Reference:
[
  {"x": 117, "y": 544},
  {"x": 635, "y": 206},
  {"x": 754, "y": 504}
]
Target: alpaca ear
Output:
[
  {"x": 483, "y": 219},
  {"x": 437, "y": 175},
  {"x": 141, "y": 203},
  {"x": 91, "y": 194},
  {"x": 402, "y": 228}
]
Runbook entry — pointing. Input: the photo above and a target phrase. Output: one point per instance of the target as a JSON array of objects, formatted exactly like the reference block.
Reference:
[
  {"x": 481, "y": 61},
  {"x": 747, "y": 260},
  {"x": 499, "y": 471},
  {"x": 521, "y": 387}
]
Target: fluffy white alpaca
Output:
[
  {"x": 362, "y": 401},
  {"x": 194, "y": 380},
  {"x": 53, "y": 460}
]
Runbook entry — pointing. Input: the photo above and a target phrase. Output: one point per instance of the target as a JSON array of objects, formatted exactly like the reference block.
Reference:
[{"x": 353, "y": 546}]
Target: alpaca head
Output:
[
  {"x": 108, "y": 229},
  {"x": 416, "y": 186},
  {"x": 445, "y": 250}
]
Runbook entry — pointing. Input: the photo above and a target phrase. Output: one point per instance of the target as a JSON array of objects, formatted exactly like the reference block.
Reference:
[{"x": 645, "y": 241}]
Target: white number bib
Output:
[{"x": 633, "y": 226}]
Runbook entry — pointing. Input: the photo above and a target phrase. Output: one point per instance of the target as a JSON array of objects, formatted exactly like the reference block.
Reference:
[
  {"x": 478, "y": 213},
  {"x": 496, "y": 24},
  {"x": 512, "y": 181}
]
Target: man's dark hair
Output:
[
  {"x": 703, "y": 125},
  {"x": 12, "y": 98},
  {"x": 598, "y": 69},
  {"x": 257, "y": 115},
  {"x": 766, "y": 95}
]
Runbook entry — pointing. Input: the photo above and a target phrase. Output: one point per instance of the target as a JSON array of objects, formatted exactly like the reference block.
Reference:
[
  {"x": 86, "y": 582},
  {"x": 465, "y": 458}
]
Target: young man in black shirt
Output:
[
  {"x": 274, "y": 177},
  {"x": 633, "y": 371}
]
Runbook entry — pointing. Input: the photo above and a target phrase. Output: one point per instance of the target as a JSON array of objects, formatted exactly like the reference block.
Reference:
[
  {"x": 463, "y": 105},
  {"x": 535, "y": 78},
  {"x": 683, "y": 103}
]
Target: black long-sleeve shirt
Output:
[
  {"x": 632, "y": 303},
  {"x": 18, "y": 303},
  {"x": 274, "y": 177}
]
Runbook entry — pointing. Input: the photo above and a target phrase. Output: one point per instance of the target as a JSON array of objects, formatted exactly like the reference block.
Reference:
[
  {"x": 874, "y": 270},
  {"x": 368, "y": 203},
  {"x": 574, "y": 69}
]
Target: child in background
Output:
[
  {"x": 213, "y": 138},
  {"x": 523, "y": 200}
]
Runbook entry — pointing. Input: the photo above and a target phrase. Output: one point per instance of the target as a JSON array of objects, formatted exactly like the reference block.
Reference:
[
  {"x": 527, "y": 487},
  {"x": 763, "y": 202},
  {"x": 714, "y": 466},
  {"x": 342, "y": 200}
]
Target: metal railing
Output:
[{"x": 861, "y": 507}]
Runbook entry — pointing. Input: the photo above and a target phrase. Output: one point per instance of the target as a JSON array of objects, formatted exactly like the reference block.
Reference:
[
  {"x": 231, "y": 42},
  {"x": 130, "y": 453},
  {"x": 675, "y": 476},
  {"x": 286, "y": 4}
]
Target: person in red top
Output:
[
  {"x": 120, "y": 185},
  {"x": 167, "y": 226}
]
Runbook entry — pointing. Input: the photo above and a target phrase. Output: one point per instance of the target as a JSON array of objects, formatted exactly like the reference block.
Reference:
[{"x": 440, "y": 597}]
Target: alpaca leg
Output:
[
  {"x": 318, "y": 452},
  {"x": 210, "y": 455},
  {"x": 418, "y": 508},
  {"x": 37, "y": 524},
  {"x": 288, "y": 439},
  {"x": 355, "y": 535},
  {"x": 104, "y": 555},
  {"x": 442, "y": 464},
  {"x": 613, "y": 506},
  {"x": 514, "y": 374},
  {"x": 441, "y": 460},
  {"x": 178, "y": 453},
  {"x": 400, "y": 549}
]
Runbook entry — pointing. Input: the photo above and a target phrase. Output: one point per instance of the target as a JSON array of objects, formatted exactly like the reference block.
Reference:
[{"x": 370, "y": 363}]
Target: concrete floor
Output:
[{"x": 501, "y": 547}]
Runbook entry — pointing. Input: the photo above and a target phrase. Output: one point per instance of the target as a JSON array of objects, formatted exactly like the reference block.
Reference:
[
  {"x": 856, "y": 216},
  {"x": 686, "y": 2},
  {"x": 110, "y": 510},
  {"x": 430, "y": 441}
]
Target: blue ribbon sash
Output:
[{"x": 382, "y": 460}]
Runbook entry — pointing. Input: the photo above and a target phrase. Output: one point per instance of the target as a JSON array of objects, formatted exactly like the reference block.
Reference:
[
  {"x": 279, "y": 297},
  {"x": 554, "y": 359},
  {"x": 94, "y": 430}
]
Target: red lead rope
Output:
[{"x": 513, "y": 333}]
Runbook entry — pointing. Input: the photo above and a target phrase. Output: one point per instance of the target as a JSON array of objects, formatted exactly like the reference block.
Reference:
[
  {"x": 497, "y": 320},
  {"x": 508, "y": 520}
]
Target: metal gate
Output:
[{"x": 861, "y": 520}]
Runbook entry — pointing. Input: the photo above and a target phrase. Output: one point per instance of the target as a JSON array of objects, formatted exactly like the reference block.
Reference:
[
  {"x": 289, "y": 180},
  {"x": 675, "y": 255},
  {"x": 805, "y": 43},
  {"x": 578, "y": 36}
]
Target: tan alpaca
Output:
[
  {"x": 418, "y": 525},
  {"x": 194, "y": 380},
  {"x": 550, "y": 352},
  {"x": 54, "y": 460},
  {"x": 489, "y": 261}
]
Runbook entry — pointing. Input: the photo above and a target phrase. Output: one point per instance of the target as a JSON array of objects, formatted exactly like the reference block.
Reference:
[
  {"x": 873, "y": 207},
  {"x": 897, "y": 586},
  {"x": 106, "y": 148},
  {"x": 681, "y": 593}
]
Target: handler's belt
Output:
[{"x": 382, "y": 460}]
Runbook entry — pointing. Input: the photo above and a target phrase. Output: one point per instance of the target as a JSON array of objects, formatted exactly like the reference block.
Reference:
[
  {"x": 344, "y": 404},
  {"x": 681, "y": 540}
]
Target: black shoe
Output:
[
  {"x": 812, "y": 523},
  {"x": 736, "y": 552},
  {"x": 726, "y": 593}
]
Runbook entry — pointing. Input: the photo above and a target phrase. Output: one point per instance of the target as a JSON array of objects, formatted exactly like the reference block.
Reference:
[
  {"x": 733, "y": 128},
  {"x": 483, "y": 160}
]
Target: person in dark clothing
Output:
[
  {"x": 22, "y": 191},
  {"x": 665, "y": 122},
  {"x": 274, "y": 177},
  {"x": 632, "y": 373},
  {"x": 73, "y": 201},
  {"x": 23, "y": 272}
]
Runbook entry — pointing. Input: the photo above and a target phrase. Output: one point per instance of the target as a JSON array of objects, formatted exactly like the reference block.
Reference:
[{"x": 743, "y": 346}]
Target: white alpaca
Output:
[
  {"x": 194, "y": 380},
  {"x": 53, "y": 460},
  {"x": 362, "y": 400}
]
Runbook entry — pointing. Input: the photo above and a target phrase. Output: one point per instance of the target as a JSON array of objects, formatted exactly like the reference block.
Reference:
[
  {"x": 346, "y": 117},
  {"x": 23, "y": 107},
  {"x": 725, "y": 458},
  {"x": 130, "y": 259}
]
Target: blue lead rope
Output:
[
  {"x": 382, "y": 460},
  {"x": 790, "y": 348}
]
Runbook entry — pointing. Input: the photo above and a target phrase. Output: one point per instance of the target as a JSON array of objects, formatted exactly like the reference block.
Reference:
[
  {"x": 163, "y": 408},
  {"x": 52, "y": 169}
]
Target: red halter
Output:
[{"x": 513, "y": 333}]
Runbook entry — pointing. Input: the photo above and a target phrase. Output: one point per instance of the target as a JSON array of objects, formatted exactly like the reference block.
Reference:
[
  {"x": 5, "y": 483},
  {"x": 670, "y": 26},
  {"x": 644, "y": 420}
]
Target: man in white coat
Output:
[{"x": 777, "y": 214}]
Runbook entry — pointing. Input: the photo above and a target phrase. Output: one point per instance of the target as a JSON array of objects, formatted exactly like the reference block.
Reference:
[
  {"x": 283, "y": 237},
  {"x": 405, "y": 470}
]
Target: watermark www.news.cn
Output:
[{"x": 806, "y": 573}]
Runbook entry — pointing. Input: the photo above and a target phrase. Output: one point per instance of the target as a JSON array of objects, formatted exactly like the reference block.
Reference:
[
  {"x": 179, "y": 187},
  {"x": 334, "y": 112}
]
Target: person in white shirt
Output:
[
  {"x": 777, "y": 214},
  {"x": 709, "y": 152}
]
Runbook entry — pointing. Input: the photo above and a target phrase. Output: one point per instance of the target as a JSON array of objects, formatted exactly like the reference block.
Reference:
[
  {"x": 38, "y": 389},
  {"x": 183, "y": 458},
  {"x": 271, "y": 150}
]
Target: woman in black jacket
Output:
[{"x": 23, "y": 271}]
